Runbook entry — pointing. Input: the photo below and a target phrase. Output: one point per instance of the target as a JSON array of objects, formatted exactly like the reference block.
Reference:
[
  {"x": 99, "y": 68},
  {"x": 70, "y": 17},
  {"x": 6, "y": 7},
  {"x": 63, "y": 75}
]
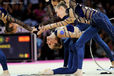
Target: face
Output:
[
  {"x": 61, "y": 12},
  {"x": 51, "y": 41}
]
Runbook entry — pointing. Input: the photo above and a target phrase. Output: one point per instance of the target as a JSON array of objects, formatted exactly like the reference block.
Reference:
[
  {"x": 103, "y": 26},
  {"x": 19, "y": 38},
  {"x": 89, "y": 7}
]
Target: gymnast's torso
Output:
[{"x": 82, "y": 13}]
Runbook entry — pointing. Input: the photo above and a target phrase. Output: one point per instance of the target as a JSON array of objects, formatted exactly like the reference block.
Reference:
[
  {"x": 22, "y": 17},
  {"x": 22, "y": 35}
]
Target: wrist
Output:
[{"x": 47, "y": 27}]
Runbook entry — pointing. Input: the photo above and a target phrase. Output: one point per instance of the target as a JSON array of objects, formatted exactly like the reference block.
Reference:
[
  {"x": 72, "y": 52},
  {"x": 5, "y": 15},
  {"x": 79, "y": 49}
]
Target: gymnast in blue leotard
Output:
[
  {"x": 10, "y": 28},
  {"x": 65, "y": 33},
  {"x": 2, "y": 56}
]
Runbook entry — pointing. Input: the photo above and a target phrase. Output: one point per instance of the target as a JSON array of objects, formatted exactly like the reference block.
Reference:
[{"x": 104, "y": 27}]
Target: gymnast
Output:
[
  {"x": 10, "y": 25},
  {"x": 96, "y": 38}
]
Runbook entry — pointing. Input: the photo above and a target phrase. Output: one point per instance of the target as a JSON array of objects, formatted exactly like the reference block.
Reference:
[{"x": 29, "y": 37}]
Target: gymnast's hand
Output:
[
  {"x": 34, "y": 30},
  {"x": 41, "y": 29},
  {"x": 3, "y": 17}
]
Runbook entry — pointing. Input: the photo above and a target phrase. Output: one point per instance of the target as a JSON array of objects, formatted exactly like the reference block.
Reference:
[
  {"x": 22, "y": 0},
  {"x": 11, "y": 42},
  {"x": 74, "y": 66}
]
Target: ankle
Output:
[
  {"x": 79, "y": 72},
  {"x": 112, "y": 64},
  {"x": 6, "y": 71}
]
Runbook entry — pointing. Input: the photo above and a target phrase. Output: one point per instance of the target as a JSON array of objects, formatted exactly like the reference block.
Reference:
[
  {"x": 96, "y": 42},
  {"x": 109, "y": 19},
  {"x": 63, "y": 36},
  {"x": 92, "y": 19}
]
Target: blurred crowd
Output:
[{"x": 34, "y": 12}]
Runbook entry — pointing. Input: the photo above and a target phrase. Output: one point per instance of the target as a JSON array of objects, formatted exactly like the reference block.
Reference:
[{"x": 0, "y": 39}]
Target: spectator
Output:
[
  {"x": 39, "y": 46},
  {"x": 39, "y": 12}
]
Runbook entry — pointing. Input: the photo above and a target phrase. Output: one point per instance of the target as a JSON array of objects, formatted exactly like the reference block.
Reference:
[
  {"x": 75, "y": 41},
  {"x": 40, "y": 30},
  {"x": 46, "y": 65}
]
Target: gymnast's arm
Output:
[
  {"x": 5, "y": 17},
  {"x": 72, "y": 18},
  {"x": 22, "y": 24},
  {"x": 66, "y": 32},
  {"x": 55, "y": 25},
  {"x": 59, "y": 24}
]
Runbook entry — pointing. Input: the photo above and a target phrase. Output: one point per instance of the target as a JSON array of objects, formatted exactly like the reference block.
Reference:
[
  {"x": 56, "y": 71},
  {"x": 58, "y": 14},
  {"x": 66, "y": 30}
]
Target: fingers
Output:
[
  {"x": 39, "y": 27},
  {"x": 41, "y": 30}
]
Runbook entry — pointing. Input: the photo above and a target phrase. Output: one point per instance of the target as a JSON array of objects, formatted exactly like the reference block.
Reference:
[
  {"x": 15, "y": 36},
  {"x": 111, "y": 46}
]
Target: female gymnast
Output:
[
  {"x": 8, "y": 29},
  {"x": 10, "y": 25},
  {"x": 96, "y": 20},
  {"x": 81, "y": 27}
]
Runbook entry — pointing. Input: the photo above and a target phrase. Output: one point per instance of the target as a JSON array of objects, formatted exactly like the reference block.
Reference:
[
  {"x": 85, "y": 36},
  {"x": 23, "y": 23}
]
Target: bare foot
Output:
[
  {"x": 5, "y": 73},
  {"x": 47, "y": 72},
  {"x": 78, "y": 72}
]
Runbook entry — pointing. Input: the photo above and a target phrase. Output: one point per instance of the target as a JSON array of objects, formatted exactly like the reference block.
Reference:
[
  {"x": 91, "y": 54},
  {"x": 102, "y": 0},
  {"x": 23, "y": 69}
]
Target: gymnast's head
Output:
[
  {"x": 11, "y": 28},
  {"x": 54, "y": 42},
  {"x": 60, "y": 9}
]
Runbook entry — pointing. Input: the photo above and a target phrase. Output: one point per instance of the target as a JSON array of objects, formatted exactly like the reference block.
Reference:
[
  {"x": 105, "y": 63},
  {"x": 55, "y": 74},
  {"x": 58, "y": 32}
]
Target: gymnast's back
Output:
[{"x": 82, "y": 10}]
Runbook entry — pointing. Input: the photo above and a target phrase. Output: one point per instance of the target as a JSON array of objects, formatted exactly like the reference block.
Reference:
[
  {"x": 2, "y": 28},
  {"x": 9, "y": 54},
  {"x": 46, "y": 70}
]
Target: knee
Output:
[{"x": 73, "y": 70}]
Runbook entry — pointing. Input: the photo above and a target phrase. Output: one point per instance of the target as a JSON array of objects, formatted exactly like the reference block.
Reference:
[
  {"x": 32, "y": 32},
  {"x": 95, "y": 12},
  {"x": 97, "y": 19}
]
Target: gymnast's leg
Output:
[
  {"x": 66, "y": 51},
  {"x": 98, "y": 39},
  {"x": 102, "y": 21},
  {"x": 4, "y": 64},
  {"x": 72, "y": 64},
  {"x": 80, "y": 43}
]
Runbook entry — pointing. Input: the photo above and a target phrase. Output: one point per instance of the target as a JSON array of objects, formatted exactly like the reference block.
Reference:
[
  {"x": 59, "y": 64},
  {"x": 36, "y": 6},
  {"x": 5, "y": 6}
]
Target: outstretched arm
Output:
[
  {"x": 72, "y": 17},
  {"x": 5, "y": 17},
  {"x": 22, "y": 24},
  {"x": 55, "y": 25}
]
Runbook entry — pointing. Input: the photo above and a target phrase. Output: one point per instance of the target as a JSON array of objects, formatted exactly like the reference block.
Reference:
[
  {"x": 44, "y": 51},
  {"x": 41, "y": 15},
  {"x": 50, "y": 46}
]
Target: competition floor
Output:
[{"x": 89, "y": 67}]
